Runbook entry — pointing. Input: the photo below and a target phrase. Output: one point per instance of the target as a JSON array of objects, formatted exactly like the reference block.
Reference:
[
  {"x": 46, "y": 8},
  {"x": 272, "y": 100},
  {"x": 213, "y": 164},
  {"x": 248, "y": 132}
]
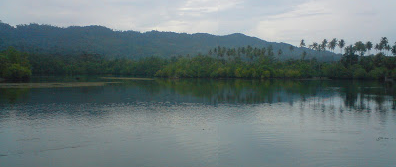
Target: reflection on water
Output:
[
  {"x": 199, "y": 122},
  {"x": 354, "y": 94}
]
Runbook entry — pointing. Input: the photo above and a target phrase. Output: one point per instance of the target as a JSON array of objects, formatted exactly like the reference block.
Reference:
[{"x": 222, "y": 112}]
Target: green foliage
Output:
[
  {"x": 377, "y": 73},
  {"x": 14, "y": 64},
  {"x": 358, "y": 72},
  {"x": 16, "y": 71},
  {"x": 337, "y": 70},
  {"x": 360, "y": 47},
  {"x": 220, "y": 62}
]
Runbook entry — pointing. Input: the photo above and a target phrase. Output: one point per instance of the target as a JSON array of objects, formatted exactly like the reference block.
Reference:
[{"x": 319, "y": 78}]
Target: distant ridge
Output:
[{"x": 47, "y": 39}]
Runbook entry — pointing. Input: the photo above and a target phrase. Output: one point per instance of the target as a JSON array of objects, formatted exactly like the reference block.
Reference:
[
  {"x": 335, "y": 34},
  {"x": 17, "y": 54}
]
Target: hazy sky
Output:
[{"x": 272, "y": 20}]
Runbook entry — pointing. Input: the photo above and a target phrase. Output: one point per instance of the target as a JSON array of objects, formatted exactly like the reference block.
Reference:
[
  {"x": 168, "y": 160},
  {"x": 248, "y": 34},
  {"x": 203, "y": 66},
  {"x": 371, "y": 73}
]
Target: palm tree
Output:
[
  {"x": 388, "y": 48},
  {"x": 394, "y": 49},
  {"x": 341, "y": 44},
  {"x": 302, "y": 43},
  {"x": 360, "y": 47},
  {"x": 320, "y": 47},
  {"x": 383, "y": 43},
  {"x": 377, "y": 48},
  {"x": 332, "y": 44},
  {"x": 324, "y": 44},
  {"x": 314, "y": 46},
  {"x": 369, "y": 46}
]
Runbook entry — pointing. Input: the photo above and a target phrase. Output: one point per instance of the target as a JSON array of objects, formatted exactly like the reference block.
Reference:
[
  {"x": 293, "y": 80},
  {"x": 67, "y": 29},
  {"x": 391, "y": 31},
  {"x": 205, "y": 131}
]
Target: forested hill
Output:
[{"x": 47, "y": 39}]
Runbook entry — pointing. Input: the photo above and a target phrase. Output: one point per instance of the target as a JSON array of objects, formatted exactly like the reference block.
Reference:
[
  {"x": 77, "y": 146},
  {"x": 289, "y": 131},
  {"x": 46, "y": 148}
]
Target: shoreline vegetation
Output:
[
  {"x": 53, "y": 85},
  {"x": 128, "y": 78},
  {"x": 219, "y": 62}
]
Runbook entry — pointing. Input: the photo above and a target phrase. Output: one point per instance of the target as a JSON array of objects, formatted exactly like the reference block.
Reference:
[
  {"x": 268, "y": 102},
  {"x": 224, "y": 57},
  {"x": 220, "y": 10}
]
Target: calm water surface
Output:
[{"x": 200, "y": 123}]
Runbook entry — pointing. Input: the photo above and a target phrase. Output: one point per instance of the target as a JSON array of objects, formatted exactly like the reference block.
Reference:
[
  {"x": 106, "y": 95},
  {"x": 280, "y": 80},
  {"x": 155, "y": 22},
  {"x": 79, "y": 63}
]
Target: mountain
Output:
[{"x": 47, "y": 39}]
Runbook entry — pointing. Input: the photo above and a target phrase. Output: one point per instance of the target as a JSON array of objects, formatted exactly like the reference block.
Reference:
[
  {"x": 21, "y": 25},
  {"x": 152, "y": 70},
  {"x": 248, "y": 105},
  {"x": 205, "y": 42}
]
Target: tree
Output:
[
  {"x": 324, "y": 45},
  {"x": 16, "y": 71},
  {"x": 394, "y": 49},
  {"x": 332, "y": 44},
  {"x": 360, "y": 47},
  {"x": 369, "y": 46},
  {"x": 377, "y": 47},
  {"x": 383, "y": 43},
  {"x": 14, "y": 64},
  {"x": 302, "y": 43},
  {"x": 341, "y": 44},
  {"x": 320, "y": 47},
  {"x": 314, "y": 46},
  {"x": 387, "y": 48},
  {"x": 349, "y": 58}
]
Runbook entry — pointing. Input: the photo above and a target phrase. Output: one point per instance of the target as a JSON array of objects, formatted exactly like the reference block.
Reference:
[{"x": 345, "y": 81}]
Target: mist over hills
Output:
[{"x": 73, "y": 40}]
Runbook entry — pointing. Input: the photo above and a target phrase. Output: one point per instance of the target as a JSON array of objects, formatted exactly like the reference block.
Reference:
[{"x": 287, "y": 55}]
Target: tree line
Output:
[
  {"x": 218, "y": 62},
  {"x": 361, "y": 47}
]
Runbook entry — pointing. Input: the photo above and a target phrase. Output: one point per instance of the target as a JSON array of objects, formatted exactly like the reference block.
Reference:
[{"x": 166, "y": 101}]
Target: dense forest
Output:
[
  {"x": 75, "y": 40},
  {"x": 14, "y": 64},
  {"x": 219, "y": 62}
]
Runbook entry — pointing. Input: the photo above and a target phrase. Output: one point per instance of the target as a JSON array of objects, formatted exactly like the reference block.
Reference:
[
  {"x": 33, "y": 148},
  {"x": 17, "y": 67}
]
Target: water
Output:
[{"x": 192, "y": 122}]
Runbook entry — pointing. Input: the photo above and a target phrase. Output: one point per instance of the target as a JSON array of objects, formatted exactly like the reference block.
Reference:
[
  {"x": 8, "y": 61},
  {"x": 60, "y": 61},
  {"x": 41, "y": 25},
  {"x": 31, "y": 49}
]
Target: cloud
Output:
[
  {"x": 314, "y": 20},
  {"x": 272, "y": 20}
]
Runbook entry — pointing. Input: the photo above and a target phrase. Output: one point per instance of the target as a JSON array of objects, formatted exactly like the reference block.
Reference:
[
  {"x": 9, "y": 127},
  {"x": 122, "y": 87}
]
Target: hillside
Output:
[{"x": 47, "y": 39}]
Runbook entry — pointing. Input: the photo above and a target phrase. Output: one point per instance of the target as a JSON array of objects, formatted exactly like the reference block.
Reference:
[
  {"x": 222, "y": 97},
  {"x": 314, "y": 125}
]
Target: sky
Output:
[{"x": 286, "y": 21}]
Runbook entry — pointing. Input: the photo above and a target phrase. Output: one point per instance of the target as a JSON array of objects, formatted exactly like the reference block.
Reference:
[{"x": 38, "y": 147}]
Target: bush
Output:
[
  {"x": 393, "y": 73},
  {"x": 16, "y": 71},
  {"x": 377, "y": 73},
  {"x": 359, "y": 73},
  {"x": 337, "y": 71}
]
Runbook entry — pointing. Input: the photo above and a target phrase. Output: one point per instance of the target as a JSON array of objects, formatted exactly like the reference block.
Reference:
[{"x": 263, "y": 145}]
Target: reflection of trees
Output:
[
  {"x": 358, "y": 95},
  {"x": 235, "y": 90},
  {"x": 12, "y": 95},
  {"x": 355, "y": 94}
]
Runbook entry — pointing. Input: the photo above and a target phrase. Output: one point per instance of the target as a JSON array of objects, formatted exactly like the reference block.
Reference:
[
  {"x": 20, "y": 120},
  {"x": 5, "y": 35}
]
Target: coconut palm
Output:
[
  {"x": 314, "y": 46},
  {"x": 341, "y": 44},
  {"x": 332, "y": 44},
  {"x": 394, "y": 49},
  {"x": 320, "y": 47},
  {"x": 383, "y": 43},
  {"x": 360, "y": 47},
  {"x": 387, "y": 48},
  {"x": 324, "y": 44},
  {"x": 377, "y": 48},
  {"x": 369, "y": 46},
  {"x": 302, "y": 43}
]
